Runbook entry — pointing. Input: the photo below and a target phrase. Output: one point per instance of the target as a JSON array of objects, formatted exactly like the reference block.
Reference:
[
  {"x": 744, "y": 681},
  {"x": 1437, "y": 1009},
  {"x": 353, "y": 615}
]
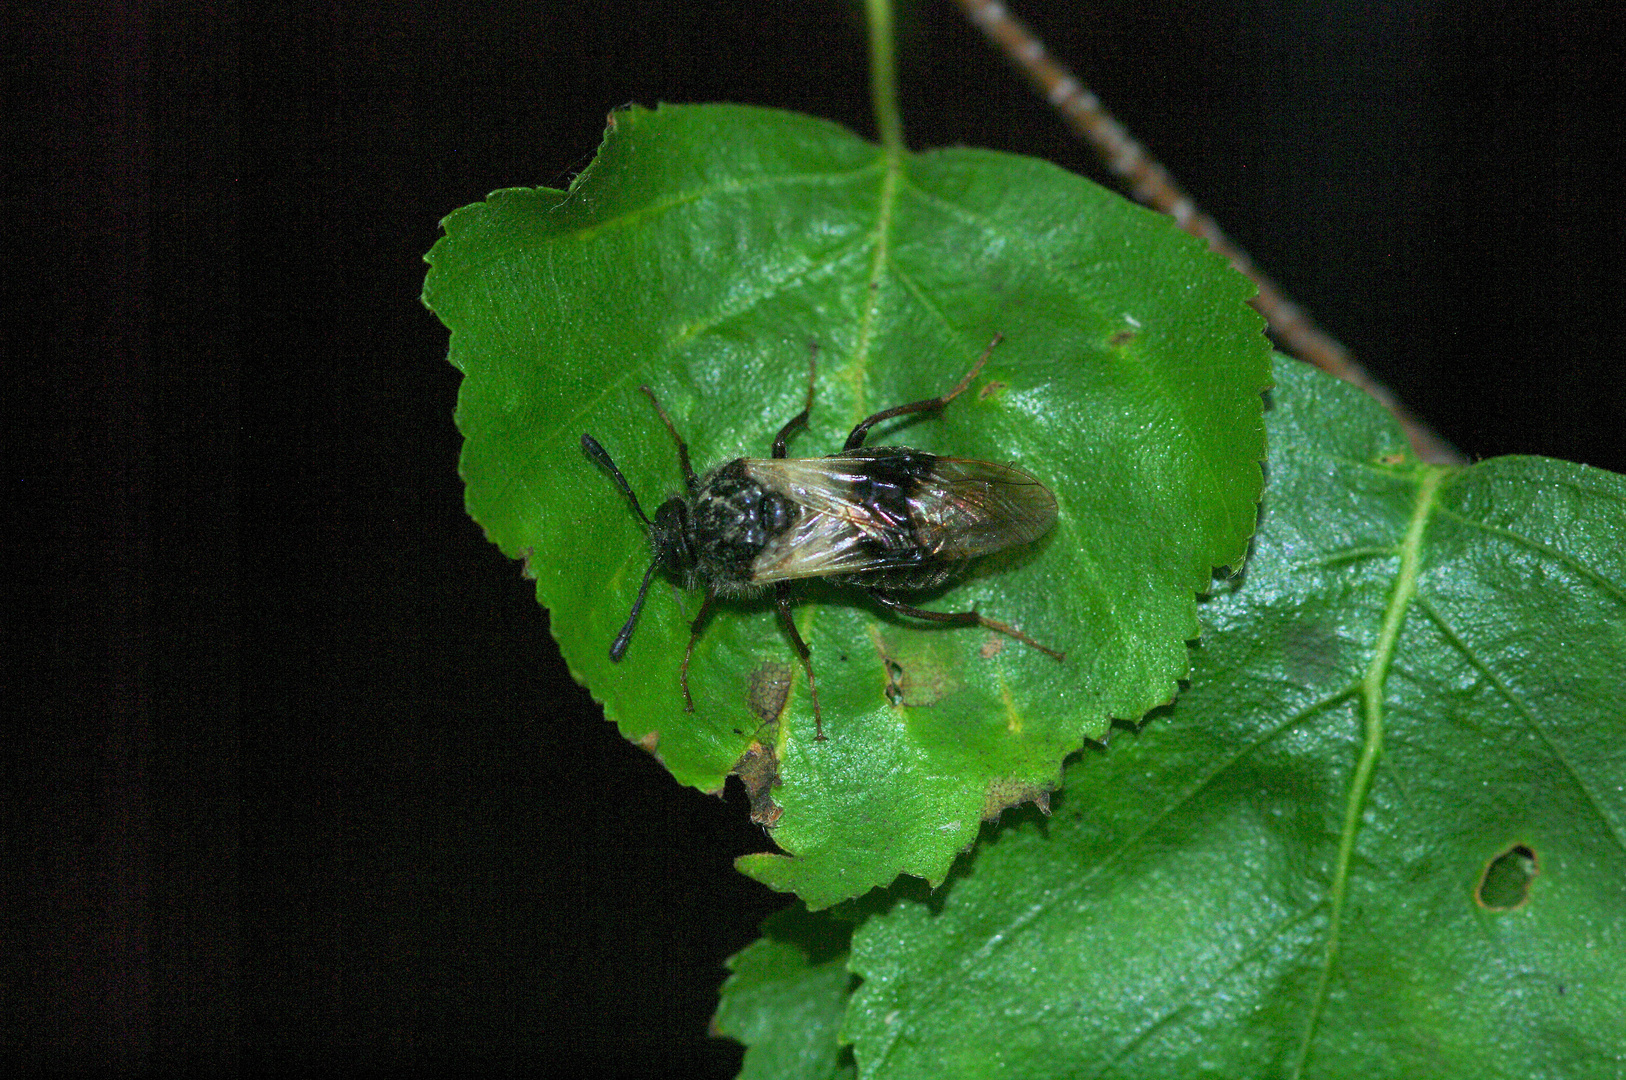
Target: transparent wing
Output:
[
  {"x": 888, "y": 507},
  {"x": 818, "y": 545}
]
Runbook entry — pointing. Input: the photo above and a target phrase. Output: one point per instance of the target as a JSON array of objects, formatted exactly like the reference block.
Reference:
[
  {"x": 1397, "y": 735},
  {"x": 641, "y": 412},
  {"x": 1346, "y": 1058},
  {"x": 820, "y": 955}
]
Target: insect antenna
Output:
[
  {"x": 600, "y": 456},
  {"x": 618, "y": 647}
]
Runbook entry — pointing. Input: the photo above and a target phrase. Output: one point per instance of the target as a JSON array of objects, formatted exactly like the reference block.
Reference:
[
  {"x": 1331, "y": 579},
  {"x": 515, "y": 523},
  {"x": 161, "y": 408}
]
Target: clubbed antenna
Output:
[
  {"x": 598, "y": 454},
  {"x": 618, "y": 647}
]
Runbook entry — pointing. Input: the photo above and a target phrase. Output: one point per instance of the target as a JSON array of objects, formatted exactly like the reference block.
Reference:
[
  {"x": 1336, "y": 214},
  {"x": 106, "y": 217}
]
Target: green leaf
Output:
[
  {"x": 1383, "y": 834},
  {"x": 701, "y": 253},
  {"x": 787, "y": 996}
]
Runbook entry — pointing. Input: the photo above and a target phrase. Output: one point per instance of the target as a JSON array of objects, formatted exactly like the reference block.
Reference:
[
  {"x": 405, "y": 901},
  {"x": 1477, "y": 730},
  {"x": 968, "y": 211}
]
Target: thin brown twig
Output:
[{"x": 1150, "y": 183}]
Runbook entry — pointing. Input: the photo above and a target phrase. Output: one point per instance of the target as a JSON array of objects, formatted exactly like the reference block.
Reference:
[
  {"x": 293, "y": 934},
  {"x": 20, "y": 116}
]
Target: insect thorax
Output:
[{"x": 733, "y": 518}]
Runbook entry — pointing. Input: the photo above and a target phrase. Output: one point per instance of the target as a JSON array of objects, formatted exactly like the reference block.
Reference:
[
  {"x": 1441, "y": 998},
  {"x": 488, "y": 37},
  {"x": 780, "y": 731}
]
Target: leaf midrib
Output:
[
  {"x": 1371, "y": 696},
  {"x": 1370, "y": 691}
]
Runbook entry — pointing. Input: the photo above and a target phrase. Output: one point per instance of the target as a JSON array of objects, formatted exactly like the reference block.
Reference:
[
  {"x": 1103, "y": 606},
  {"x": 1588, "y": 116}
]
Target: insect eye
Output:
[{"x": 674, "y": 548}]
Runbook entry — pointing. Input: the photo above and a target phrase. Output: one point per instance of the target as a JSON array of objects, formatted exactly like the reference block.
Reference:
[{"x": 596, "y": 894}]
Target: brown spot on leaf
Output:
[
  {"x": 526, "y": 570},
  {"x": 1121, "y": 338},
  {"x": 1004, "y": 793},
  {"x": 1392, "y": 459},
  {"x": 769, "y": 690},
  {"x": 758, "y": 770},
  {"x": 926, "y": 682},
  {"x": 1312, "y": 651},
  {"x": 992, "y": 647},
  {"x": 989, "y": 389},
  {"x": 650, "y": 741}
]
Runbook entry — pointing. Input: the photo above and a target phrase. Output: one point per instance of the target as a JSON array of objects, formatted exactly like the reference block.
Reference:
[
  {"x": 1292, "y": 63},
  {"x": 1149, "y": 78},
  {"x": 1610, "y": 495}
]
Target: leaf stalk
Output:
[{"x": 883, "y": 75}]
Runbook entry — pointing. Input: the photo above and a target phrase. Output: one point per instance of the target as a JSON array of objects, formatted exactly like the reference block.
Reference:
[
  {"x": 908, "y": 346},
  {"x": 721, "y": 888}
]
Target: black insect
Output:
[{"x": 886, "y": 519}]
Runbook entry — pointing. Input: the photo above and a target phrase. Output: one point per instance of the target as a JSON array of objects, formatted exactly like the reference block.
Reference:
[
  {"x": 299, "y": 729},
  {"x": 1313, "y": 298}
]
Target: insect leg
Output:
[
  {"x": 958, "y": 618},
  {"x": 856, "y": 438},
  {"x": 782, "y": 601},
  {"x": 683, "y": 447},
  {"x": 781, "y": 443},
  {"x": 694, "y": 636}
]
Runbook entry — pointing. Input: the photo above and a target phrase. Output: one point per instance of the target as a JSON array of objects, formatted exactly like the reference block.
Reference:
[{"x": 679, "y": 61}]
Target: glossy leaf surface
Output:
[
  {"x": 703, "y": 253},
  {"x": 786, "y": 997},
  {"x": 1382, "y": 834}
]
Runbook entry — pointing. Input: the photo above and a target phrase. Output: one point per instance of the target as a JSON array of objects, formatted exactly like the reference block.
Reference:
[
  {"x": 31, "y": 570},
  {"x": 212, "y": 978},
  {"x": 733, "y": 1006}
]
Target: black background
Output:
[{"x": 302, "y": 784}]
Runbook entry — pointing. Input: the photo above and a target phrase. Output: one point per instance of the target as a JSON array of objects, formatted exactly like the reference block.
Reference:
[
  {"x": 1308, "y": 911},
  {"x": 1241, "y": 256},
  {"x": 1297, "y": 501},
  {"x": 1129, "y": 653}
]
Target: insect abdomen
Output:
[{"x": 892, "y": 517}]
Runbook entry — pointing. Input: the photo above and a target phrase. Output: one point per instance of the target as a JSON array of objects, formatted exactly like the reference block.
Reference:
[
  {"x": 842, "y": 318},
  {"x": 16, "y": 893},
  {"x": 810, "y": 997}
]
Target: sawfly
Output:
[{"x": 884, "y": 519}]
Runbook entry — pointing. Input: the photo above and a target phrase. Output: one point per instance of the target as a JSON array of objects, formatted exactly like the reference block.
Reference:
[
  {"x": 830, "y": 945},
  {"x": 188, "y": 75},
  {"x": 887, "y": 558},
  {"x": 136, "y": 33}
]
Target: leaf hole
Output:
[
  {"x": 894, "y": 681},
  {"x": 1505, "y": 883}
]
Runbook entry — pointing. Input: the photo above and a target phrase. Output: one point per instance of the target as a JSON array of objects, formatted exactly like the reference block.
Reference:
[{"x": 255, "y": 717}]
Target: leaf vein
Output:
[{"x": 1527, "y": 714}]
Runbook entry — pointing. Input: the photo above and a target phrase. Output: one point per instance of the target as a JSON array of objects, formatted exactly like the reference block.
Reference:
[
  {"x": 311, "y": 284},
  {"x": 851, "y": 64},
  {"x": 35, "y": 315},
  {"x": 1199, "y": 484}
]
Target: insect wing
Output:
[
  {"x": 818, "y": 545},
  {"x": 972, "y": 508},
  {"x": 882, "y": 508}
]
